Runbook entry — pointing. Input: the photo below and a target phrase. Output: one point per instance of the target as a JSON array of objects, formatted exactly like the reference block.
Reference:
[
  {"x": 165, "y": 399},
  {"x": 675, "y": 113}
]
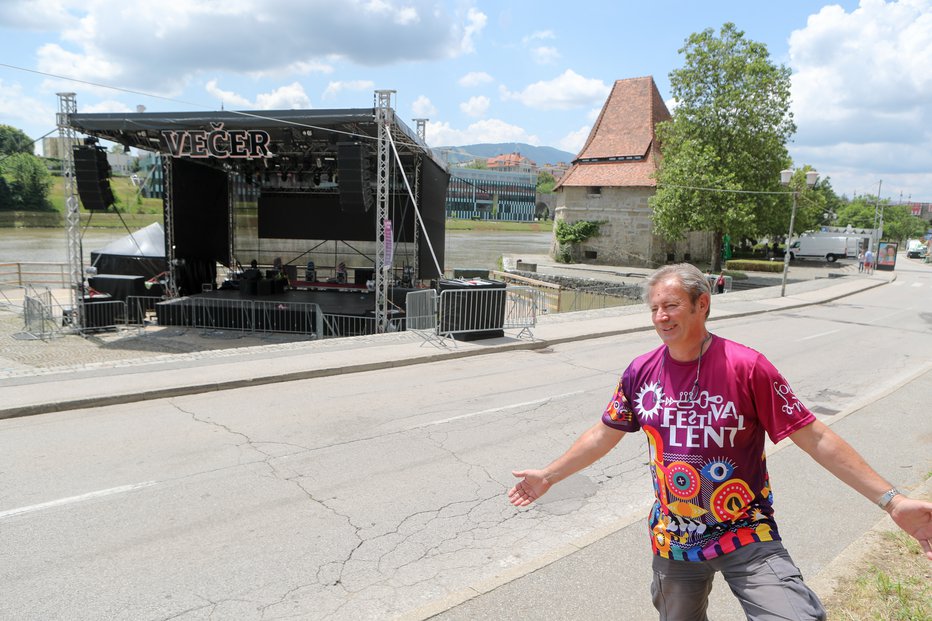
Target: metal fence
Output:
[
  {"x": 471, "y": 313},
  {"x": 244, "y": 315},
  {"x": 34, "y": 273}
]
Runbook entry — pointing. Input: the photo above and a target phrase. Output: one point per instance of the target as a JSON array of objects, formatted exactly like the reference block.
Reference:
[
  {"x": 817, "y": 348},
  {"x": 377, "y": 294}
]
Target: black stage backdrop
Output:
[
  {"x": 320, "y": 216},
  {"x": 433, "y": 212},
  {"x": 200, "y": 225}
]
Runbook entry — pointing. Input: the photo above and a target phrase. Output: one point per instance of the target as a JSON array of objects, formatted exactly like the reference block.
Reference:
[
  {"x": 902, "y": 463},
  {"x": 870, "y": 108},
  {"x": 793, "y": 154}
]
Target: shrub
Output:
[{"x": 748, "y": 265}]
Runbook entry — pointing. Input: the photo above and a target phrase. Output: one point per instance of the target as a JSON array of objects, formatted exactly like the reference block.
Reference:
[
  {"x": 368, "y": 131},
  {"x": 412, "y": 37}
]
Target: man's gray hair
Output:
[{"x": 692, "y": 280}]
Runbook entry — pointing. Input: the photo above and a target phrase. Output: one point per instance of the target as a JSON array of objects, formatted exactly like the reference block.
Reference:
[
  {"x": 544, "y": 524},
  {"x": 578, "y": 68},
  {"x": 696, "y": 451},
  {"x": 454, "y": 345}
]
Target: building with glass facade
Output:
[{"x": 476, "y": 194}]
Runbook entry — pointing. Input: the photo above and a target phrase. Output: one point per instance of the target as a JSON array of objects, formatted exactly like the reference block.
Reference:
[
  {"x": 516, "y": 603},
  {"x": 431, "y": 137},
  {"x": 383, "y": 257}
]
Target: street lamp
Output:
[{"x": 785, "y": 177}]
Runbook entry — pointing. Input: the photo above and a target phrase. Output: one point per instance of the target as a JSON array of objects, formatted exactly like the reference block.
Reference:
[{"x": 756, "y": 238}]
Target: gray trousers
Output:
[{"x": 762, "y": 576}]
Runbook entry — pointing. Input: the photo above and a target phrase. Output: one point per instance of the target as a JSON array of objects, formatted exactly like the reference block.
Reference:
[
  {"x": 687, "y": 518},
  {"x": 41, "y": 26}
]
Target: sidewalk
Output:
[{"x": 117, "y": 376}]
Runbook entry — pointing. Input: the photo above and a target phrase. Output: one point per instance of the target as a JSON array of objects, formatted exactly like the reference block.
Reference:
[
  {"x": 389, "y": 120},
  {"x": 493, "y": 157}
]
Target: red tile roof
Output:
[{"x": 621, "y": 148}]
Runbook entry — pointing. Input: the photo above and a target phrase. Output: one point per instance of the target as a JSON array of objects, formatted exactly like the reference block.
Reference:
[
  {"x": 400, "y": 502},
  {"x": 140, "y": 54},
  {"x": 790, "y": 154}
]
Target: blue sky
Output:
[{"x": 483, "y": 71}]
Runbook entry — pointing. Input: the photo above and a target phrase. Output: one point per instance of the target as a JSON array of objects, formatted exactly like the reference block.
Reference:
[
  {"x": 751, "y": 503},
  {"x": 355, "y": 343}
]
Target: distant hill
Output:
[{"x": 538, "y": 155}]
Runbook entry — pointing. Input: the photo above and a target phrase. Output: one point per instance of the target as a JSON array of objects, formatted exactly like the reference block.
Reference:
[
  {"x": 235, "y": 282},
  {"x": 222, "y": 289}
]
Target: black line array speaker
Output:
[
  {"x": 92, "y": 174},
  {"x": 355, "y": 188}
]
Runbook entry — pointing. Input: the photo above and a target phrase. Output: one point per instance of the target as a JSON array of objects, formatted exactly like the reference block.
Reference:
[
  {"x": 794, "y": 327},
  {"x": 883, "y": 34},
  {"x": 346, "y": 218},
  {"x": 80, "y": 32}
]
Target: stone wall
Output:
[{"x": 625, "y": 235}]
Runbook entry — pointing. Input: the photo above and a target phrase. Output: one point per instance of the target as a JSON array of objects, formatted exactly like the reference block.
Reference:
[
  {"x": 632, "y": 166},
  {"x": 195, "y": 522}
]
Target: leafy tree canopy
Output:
[
  {"x": 13, "y": 140},
  {"x": 545, "y": 182},
  {"x": 729, "y": 131},
  {"x": 29, "y": 182},
  {"x": 866, "y": 211}
]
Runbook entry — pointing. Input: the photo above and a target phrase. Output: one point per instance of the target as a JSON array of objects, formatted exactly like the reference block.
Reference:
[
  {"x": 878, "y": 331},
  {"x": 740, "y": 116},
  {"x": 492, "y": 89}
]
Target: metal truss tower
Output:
[
  {"x": 68, "y": 137},
  {"x": 384, "y": 116}
]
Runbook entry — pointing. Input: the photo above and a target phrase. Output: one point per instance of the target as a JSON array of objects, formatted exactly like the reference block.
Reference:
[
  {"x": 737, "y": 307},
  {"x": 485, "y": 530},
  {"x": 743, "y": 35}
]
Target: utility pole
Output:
[{"x": 877, "y": 235}]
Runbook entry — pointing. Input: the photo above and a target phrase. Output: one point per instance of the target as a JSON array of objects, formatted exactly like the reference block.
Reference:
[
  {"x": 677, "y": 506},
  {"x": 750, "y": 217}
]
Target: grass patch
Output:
[
  {"x": 891, "y": 582},
  {"x": 128, "y": 201},
  {"x": 499, "y": 225}
]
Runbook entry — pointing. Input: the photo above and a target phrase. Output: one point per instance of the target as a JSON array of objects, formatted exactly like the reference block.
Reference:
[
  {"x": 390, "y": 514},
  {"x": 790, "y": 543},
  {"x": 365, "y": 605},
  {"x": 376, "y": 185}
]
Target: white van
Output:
[
  {"x": 824, "y": 247},
  {"x": 916, "y": 249}
]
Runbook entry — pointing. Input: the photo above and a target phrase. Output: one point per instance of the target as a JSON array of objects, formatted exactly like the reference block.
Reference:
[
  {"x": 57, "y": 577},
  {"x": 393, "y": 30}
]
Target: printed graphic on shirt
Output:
[
  {"x": 619, "y": 410},
  {"x": 705, "y": 506},
  {"x": 791, "y": 405}
]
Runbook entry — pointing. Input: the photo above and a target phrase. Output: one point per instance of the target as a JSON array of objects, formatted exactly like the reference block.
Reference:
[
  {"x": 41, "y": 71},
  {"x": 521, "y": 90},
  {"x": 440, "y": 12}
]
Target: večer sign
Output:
[{"x": 218, "y": 142}]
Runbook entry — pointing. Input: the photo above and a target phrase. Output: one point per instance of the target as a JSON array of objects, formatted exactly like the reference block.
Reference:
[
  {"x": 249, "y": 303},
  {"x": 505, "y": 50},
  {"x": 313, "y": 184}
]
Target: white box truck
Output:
[{"x": 825, "y": 247}]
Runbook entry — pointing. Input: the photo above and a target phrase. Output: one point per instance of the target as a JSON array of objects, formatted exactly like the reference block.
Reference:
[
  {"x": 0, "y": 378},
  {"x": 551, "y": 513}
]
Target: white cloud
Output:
[
  {"x": 18, "y": 108},
  {"x": 574, "y": 141},
  {"x": 334, "y": 88},
  {"x": 107, "y": 106},
  {"x": 35, "y": 14},
  {"x": 540, "y": 35},
  {"x": 475, "y": 22},
  {"x": 545, "y": 55},
  {"x": 486, "y": 130},
  {"x": 228, "y": 99},
  {"x": 862, "y": 88},
  {"x": 566, "y": 91},
  {"x": 160, "y": 45},
  {"x": 288, "y": 97},
  {"x": 475, "y": 106},
  {"x": 475, "y": 78},
  {"x": 423, "y": 108}
]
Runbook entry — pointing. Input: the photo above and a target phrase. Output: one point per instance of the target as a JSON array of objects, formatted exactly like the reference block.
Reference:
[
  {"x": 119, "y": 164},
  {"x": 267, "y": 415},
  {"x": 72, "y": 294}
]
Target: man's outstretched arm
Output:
[
  {"x": 838, "y": 457},
  {"x": 591, "y": 446}
]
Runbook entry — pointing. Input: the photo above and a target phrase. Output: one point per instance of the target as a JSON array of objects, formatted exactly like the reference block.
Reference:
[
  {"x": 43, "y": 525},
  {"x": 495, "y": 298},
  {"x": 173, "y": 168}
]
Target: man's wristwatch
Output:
[{"x": 887, "y": 497}]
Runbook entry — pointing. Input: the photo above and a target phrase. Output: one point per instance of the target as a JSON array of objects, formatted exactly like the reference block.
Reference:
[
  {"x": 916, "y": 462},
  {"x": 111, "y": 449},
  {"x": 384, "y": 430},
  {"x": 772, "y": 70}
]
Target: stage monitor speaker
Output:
[
  {"x": 92, "y": 176},
  {"x": 355, "y": 188}
]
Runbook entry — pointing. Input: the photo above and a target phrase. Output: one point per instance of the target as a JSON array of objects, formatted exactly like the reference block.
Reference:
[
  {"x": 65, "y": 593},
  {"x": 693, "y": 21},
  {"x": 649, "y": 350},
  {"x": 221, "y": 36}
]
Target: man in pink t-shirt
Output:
[{"x": 705, "y": 404}]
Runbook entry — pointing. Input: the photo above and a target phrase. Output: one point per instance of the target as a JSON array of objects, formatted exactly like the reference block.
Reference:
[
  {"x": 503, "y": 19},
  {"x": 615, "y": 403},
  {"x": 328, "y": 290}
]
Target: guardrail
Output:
[
  {"x": 554, "y": 298},
  {"x": 34, "y": 273}
]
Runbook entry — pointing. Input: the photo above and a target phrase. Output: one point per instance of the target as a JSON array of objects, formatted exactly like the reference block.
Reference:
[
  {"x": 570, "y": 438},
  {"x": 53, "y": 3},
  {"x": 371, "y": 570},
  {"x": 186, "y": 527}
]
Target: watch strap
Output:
[{"x": 887, "y": 497}]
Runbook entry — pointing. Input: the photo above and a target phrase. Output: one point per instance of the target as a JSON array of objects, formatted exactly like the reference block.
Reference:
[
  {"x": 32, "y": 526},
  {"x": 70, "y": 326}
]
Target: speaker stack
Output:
[
  {"x": 355, "y": 187},
  {"x": 92, "y": 174}
]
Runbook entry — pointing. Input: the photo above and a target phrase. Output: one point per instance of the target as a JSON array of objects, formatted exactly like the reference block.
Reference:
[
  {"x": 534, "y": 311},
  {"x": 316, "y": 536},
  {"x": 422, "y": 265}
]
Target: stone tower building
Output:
[{"x": 612, "y": 178}]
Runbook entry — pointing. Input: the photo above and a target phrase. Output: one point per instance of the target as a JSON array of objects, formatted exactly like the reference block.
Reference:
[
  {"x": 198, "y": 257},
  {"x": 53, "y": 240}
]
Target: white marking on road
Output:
[
  {"x": 75, "y": 499},
  {"x": 494, "y": 410},
  {"x": 916, "y": 284},
  {"x": 820, "y": 334}
]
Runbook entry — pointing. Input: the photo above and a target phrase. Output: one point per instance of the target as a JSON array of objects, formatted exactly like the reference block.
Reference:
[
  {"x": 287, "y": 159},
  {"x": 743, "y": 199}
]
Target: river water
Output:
[{"x": 464, "y": 249}]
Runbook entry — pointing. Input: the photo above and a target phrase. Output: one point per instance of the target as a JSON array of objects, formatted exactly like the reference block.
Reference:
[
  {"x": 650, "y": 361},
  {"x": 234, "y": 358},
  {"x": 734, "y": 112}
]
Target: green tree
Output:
[
  {"x": 545, "y": 182},
  {"x": 866, "y": 212},
  {"x": 899, "y": 224},
  {"x": 858, "y": 212},
  {"x": 29, "y": 181},
  {"x": 478, "y": 164},
  {"x": 6, "y": 196},
  {"x": 729, "y": 132},
  {"x": 13, "y": 140}
]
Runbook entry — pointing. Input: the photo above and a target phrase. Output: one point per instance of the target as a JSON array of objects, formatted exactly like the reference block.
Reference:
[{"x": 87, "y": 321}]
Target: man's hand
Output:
[
  {"x": 531, "y": 487},
  {"x": 914, "y": 517}
]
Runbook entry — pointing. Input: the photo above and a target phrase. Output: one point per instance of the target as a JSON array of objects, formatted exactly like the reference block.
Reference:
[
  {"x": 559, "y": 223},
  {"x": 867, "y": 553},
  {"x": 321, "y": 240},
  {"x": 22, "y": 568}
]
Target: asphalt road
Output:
[{"x": 381, "y": 495}]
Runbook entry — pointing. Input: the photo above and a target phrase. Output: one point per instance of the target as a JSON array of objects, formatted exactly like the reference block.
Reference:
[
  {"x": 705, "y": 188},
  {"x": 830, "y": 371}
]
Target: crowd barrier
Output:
[{"x": 466, "y": 314}]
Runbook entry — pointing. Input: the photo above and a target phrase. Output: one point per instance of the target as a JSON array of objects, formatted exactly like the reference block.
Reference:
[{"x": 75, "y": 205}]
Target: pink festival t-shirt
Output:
[{"x": 706, "y": 444}]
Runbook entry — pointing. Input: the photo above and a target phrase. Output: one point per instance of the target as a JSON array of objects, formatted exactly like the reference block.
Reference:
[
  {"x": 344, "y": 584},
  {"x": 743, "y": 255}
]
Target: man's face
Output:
[{"x": 677, "y": 320}]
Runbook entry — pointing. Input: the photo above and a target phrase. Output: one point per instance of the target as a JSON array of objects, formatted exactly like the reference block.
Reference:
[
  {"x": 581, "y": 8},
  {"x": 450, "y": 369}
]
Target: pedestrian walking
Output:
[
  {"x": 860, "y": 260},
  {"x": 706, "y": 405},
  {"x": 720, "y": 283},
  {"x": 869, "y": 261}
]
